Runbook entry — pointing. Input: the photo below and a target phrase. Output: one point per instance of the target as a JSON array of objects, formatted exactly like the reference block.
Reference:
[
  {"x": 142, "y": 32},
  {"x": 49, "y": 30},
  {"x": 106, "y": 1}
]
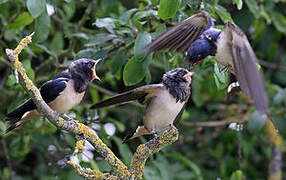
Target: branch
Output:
[
  {"x": 71, "y": 126},
  {"x": 274, "y": 169},
  {"x": 144, "y": 151}
]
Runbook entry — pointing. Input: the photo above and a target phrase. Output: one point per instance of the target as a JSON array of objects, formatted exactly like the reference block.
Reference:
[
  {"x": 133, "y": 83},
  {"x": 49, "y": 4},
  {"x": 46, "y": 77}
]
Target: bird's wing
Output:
[
  {"x": 245, "y": 64},
  {"x": 51, "y": 89},
  {"x": 183, "y": 34},
  {"x": 142, "y": 94},
  {"x": 178, "y": 117}
]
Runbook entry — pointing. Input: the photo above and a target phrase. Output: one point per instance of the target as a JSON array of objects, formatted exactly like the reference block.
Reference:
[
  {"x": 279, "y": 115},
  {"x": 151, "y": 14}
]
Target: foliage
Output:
[{"x": 116, "y": 32}]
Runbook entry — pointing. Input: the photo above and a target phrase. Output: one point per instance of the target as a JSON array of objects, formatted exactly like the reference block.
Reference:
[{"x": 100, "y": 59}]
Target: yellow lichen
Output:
[
  {"x": 272, "y": 134},
  {"x": 79, "y": 147}
]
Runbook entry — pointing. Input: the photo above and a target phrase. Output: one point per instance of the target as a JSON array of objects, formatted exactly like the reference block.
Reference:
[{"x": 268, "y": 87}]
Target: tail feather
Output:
[
  {"x": 140, "y": 131},
  {"x": 14, "y": 117}
]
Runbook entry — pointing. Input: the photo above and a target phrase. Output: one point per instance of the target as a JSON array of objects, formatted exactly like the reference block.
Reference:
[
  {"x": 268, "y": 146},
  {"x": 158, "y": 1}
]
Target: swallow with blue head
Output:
[
  {"x": 61, "y": 93},
  {"x": 165, "y": 101},
  {"x": 198, "y": 36}
]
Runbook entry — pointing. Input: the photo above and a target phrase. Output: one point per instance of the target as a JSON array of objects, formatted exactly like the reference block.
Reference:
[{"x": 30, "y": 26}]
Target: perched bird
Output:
[
  {"x": 165, "y": 101},
  {"x": 61, "y": 93},
  {"x": 198, "y": 36}
]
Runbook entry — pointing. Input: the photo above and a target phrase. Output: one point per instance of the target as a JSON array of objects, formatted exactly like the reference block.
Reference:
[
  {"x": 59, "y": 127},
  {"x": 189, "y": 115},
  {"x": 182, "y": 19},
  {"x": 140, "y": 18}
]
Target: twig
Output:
[
  {"x": 71, "y": 126},
  {"x": 213, "y": 123},
  {"x": 144, "y": 151},
  {"x": 275, "y": 66}
]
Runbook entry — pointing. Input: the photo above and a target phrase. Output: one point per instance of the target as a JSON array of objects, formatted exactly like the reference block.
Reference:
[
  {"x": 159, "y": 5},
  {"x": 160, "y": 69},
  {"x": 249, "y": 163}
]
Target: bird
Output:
[
  {"x": 165, "y": 102},
  {"x": 61, "y": 93},
  {"x": 199, "y": 37}
]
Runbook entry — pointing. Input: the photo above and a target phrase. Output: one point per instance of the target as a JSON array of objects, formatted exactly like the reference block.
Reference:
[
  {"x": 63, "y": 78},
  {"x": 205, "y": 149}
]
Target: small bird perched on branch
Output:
[
  {"x": 61, "y": 93},
  {"x": 165, "y": 101},
  {"x": 198, "y": 36}
]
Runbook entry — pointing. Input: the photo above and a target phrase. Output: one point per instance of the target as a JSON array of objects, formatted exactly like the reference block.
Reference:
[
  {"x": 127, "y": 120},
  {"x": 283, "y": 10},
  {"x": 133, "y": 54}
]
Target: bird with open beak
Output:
[
  {"x": 61, "y": 93},
  {"x": 198, "y": 36},
  {"x": 165, "y": 101}
]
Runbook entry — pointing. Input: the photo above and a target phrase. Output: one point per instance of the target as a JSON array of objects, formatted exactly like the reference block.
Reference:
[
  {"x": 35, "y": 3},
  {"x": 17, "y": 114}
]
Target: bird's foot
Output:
[
  {"x": 67, "y": 117},
  {"x": 224, "y": 68},
  {"x": 155, "y": 133}
]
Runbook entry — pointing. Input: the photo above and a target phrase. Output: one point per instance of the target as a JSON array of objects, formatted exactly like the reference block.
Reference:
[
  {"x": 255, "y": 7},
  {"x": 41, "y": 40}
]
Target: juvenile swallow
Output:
[
  {"x": 198, "y": 36},
  {"x": 165, "y": 101},
  {"x": 61, "y": 93}
]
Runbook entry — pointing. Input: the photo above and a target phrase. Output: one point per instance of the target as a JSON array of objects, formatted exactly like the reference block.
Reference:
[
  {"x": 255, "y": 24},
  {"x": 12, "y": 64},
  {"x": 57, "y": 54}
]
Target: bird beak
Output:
[
  {"x": 189, "y": 75},
  {"x": 93, "y": 71}
]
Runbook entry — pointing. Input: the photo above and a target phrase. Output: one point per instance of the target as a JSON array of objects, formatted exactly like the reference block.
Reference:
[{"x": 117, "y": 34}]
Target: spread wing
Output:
[
  {"x": 245, "y": 64},
  {"x": 183, "y": 34},
  {"x": 141, "y": 94},
  {"x": 49, "y": 91}
]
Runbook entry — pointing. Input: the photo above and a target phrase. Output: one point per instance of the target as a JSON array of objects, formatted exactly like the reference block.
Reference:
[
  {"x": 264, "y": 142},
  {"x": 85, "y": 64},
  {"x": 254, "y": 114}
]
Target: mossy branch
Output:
[
  {"x": 141, "y": 155},
  {"x": 274, "y": 169}
]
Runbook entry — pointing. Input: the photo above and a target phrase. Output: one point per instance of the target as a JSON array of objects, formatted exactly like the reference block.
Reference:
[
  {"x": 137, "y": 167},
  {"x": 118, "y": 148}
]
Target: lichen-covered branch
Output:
[
  {"x": 144, "y": 151},
  {"x": 71, "y": 126},
  {"x": 274, "y": 170}
]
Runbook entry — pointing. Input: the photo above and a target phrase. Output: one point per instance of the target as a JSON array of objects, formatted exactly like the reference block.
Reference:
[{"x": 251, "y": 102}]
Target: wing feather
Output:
[
  {"x": 245, "y": 64},
  {"x": 141, "y": 93},
  {"x": 180, "y": 36}
]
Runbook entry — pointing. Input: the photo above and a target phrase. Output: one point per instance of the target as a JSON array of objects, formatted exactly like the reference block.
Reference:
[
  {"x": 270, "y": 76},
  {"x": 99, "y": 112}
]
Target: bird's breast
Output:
[
  {"x": 162, "y": 111},
  {"x": 67, "y": 99}
]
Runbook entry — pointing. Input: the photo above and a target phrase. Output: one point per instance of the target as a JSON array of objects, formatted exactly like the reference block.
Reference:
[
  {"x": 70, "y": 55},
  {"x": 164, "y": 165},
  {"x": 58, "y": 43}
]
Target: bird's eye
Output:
[{"x": 90, "y": 65}]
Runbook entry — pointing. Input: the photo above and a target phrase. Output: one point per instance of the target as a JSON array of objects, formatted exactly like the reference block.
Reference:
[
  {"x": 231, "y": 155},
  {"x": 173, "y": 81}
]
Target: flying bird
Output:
[
  {"x": 61, "y": 93},
  {"x": 165, "y": 101},
  {"x": 198, "y": 36}
]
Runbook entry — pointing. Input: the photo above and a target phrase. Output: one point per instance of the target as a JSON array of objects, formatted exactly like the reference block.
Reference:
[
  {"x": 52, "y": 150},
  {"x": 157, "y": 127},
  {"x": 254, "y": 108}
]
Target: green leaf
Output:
[
  {"x": 253, "y": 7},
  {"x": 124, "y": 150},
  {"x": 57, "y": 43},
  {"x": 22, "y": 20},
  {"x": 92, "y": 53},
  {"x": 117, "y": 61},
  {"x": 221, "y": 78},
  {"x": 36, "y": 7},
  {"x": 135, "y": 70},
  {"x": 42, "y": 27},
  {"x": 168, "y": 8},
  {"x": 256, "y": 121},
  {"x": 107, "y": 23},
  {"x": 94, "y": 94},
  {"x": 236, "y": 175},
  {"x": 279, "y": 21},
  {"x": 238, "y": 3},
  {"x": 223, "y": 14},
  {"x": 142, "y": 40},
  {"x": 189, "y": 164}
]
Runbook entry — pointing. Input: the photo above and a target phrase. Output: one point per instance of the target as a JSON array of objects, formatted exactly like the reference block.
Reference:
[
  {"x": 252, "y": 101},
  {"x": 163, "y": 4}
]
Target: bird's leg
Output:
[
  {"x": 66, "y": 117},
  {"x": 224, "y": 68},
  {"x": 154, "y": 133}
]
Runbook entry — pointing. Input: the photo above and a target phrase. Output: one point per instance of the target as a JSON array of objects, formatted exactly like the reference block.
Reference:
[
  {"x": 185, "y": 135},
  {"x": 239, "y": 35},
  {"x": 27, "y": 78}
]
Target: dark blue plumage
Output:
[{"x": 203, "y": 46}]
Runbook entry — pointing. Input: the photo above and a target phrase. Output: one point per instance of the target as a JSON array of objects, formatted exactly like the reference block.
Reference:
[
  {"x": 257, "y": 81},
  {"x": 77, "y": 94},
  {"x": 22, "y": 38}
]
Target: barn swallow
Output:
[
  {"x": 165, "y": 101},
  {"x": 61, "y": 93},
  {"x": 198, "y": 36}
]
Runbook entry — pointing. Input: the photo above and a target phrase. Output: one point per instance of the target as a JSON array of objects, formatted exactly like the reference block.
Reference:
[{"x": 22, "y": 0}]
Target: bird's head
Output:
[
  {"x": 199, "y": 50},
  {"x": 178, "y": 76},
  {"x": 84, "y": 69}
]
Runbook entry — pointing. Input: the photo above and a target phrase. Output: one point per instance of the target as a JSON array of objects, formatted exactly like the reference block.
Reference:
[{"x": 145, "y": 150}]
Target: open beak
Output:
[
  {"x": 189, "y": 75},
  {"x": 93, "y": 71}
]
